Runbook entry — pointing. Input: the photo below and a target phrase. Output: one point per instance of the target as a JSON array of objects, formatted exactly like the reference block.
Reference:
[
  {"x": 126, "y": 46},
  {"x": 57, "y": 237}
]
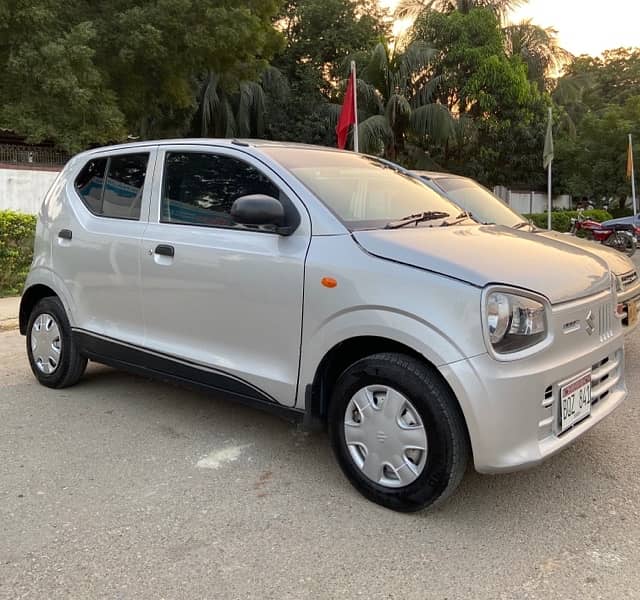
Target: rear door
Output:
[
  {"x": 96, "y": 242},
  {"x": 218, "y": 296}
]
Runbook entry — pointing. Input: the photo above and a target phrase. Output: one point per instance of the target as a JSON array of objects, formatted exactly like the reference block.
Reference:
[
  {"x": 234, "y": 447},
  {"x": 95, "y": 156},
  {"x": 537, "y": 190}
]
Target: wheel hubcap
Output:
[
  {"x": 45, "y": 343},
  {"x": 385, "y": 436}
]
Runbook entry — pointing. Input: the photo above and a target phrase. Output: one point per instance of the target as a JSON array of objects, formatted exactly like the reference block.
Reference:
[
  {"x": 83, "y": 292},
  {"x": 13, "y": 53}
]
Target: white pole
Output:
[
  {"x": 633, "y": 182},
  {"x": 549, "y": 200},
  {"x": 356, "y": 141}
]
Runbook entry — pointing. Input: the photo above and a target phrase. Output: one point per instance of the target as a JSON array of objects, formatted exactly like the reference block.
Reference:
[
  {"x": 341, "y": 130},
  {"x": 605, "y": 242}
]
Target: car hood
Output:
[
  {"x": 486, "y": 254},
  {"x": 616, "y": 261}
]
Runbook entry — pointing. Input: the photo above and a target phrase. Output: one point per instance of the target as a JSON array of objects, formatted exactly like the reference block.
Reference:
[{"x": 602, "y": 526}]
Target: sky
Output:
[{"x": 584, "y": 26}]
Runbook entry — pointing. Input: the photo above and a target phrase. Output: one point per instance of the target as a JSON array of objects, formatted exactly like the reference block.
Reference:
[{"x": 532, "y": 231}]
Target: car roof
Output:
[
  {"x": 229, "y": 142},
  {"x": 435, "y": 175}
]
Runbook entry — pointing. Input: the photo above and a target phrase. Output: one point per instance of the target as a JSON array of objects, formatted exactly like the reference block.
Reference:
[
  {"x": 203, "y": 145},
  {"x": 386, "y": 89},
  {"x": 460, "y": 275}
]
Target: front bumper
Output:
[{"x": 511, "y": 408}]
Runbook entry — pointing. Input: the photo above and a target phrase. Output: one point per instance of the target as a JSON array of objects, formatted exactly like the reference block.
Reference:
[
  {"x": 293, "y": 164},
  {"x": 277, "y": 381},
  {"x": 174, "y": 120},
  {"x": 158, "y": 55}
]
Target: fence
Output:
[
  {"x": 32, "y": 156},
  {"x": 531, "y": 202}
]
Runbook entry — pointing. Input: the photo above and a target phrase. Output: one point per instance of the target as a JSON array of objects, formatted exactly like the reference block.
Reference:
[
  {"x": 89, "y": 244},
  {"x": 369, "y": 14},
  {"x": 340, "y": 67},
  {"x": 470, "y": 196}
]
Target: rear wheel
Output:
[
  {"x": 53, "y": 355},
  {"x": 623, "y": 242},
  {"x": 397, "y": 432}
]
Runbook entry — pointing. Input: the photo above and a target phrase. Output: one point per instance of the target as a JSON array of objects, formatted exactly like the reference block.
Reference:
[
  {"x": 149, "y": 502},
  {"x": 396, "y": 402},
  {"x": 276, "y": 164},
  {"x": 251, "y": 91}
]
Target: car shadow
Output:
[{"x": 181, "y": 412}]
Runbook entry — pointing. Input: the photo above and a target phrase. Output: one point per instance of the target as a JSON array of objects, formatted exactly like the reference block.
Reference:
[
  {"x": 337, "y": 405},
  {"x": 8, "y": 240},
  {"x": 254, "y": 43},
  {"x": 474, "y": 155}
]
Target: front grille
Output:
[
  {"x": 605, "y": 321},
  {"x": 605, "y": 375}
]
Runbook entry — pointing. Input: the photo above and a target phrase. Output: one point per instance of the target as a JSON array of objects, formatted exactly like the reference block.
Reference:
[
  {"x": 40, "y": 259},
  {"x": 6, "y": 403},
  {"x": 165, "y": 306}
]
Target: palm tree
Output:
[
  {"x": 414, "y": 8},
  {"x": 224, "y": 113},
  {"x": 538, "y": 48},
  {"x": 396, "y": 91}
]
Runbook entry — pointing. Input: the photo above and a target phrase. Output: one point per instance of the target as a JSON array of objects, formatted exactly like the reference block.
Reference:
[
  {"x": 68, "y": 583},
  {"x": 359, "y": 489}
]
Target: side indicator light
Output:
[{"x": 329, "y": 282}]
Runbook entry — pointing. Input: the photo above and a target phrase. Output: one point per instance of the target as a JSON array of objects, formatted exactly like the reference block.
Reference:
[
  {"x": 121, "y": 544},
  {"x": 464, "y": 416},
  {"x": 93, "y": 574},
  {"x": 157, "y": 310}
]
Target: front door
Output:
[{"x": 218, "y": 296}]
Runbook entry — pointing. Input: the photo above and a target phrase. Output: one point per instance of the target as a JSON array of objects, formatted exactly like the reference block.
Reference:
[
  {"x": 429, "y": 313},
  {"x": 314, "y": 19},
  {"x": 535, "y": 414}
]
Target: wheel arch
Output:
[
  {"x": 30, "y": 298},
  {"x": 340, "y": 357}
]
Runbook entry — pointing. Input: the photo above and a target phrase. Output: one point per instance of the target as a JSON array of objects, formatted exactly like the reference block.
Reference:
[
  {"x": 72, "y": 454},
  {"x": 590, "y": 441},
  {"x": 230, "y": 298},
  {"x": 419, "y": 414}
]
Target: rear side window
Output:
[
  {"x": 90, "y": 182},
  {"x": 199, "y": 188},
  {"x": 119, "y": 194}
]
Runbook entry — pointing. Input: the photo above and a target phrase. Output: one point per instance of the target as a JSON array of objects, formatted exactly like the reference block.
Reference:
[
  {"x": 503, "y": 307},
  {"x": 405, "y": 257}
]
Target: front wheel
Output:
[
  {"x": 398, "y": 432},
  {"x": 53, "y": 354},
  {"x": 623, "y": 242}
]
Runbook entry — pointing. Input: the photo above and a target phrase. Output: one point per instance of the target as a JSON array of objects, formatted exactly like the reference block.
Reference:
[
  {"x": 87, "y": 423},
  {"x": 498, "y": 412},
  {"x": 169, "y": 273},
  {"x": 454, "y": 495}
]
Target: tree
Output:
[
  {"x": 499, "y": 129},
  {"x": 599, "y": 104},
  {"x": 396, "y": 92},
  {"x": 321, "y": 37},
  {"x": 415, "y": 8},
  {"x": 50, "y": 86},
  {"x": 538, "y": 48},
  {"x": 80, "y": 73},
  {"x": 239, "y": 114}
]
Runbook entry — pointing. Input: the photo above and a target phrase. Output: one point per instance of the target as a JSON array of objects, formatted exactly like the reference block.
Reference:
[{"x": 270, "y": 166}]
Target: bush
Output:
[
  {"x": 561, "y": 219},
  {"x": 16, "y": 250}
]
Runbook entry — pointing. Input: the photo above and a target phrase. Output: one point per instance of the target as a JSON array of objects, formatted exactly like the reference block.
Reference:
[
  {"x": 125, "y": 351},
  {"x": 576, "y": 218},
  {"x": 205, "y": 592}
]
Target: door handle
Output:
[
  {"x": 164, "y": 250},
  {"x": 65, "y": 234}
]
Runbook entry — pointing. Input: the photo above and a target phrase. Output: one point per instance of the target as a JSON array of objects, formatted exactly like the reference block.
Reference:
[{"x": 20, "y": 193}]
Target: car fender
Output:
[{"x": 383, "y": 322}]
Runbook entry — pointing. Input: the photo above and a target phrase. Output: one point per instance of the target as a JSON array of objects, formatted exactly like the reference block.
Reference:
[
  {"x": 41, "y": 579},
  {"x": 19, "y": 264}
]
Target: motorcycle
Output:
[{"x": 619, "y": 236}]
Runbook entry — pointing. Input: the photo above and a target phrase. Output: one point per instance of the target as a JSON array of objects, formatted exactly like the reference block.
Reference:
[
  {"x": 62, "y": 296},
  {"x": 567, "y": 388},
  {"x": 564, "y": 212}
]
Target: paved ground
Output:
[
  {"x": 125, "y": 488},
  {"x": 9, "y": 309}
]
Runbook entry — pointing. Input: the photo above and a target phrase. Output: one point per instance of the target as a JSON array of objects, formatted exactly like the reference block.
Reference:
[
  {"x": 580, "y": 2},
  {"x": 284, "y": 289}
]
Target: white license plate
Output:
[{"x": 575, "y": 401}]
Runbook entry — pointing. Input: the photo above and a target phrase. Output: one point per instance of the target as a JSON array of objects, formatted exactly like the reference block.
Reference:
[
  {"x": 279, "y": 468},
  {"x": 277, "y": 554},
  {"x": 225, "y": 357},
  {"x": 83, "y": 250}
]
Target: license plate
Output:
[
  {"x": 632, "y": 312},
  {"x": 575, "y": 401}
]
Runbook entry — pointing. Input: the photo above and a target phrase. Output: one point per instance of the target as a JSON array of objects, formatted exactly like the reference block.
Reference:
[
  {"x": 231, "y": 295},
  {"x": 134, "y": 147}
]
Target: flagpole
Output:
[
  {"x": 633, "y": 181},
  {"x": 549, "y": 178},
  {"x": 549, "y": 199},
  {"x": 356, "y": 141}
]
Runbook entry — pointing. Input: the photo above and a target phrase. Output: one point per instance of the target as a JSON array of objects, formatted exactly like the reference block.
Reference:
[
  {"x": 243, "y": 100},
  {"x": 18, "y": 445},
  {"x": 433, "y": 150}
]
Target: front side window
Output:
[
  {"x": 199, "y": 188},
  {"x": 119, "y": 194},
  {"x": 363, "y": 192}
]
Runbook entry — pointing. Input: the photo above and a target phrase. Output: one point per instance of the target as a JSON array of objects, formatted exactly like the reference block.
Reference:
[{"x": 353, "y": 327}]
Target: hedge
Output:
[
  {"x": 561, "y": 219},
  {"x": 16, "y": 250}
]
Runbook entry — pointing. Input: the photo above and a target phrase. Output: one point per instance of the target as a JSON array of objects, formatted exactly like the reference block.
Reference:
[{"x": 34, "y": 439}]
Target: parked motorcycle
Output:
[{"x": 620, "y": 236}]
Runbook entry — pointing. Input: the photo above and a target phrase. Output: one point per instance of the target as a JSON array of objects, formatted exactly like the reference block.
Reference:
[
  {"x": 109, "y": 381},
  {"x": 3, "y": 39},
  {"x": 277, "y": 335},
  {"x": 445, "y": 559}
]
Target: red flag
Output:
[{"x": 347, "y": 114}]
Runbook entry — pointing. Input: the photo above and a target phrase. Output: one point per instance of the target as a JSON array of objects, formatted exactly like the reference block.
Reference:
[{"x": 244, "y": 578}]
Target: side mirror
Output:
[{"x": 259, "y": 209}]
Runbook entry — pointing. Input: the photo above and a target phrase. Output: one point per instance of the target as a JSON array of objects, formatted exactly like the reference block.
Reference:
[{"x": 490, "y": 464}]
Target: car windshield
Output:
[
  {"x": 362, "y": 192},
  {"x": 479, "y": 201}
]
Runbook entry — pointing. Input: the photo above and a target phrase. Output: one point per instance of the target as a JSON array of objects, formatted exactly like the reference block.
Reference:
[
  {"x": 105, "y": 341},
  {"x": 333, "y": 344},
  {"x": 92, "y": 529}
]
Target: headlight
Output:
[
  {"x": 514, "y": 322},
  {"x": 619, "y": 286}
]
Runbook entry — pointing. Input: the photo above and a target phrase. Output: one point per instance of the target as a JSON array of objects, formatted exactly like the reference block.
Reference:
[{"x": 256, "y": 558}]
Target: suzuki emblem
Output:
[{"x": 590, "y": 324}]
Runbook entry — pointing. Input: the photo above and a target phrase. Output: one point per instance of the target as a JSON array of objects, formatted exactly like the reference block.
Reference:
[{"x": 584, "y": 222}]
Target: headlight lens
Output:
[
  {"x": 514, "y": 322},
  {"x": 618, "y": 283}
]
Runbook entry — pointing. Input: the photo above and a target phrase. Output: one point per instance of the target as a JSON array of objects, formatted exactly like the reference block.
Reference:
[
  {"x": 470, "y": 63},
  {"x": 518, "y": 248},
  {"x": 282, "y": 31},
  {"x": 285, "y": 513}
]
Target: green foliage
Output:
[
  {"x": 561, "y": 219},
  {"x": 499, "y": 133},
  {"x": 538, "y": 48},
  {"x": 397, "y": 90},
  {"x": 81, "y": 73},
  {"x": 599, "y": 105},
  {"x": 16, "y": 248},
  {"x": 321, "y": 38}
]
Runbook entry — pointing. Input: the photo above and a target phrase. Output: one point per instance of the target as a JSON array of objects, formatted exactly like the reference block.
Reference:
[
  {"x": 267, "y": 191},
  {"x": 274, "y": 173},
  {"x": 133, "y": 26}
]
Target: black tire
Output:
[
  {"x": 71, "y": 365},
  {"x": 622, "y": 242},
  {"x": 448, "y": 443}
]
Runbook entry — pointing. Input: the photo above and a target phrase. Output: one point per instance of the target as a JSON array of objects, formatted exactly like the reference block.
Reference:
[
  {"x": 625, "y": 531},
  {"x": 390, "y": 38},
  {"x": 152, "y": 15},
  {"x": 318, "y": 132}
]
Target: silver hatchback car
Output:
[{"x": 335, "y": 290}]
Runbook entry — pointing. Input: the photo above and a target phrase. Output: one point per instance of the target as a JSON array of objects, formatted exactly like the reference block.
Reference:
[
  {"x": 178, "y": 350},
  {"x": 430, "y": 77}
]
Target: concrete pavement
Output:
[
  {"x": 9, "y": 311},
  {"x": 125, "y": 488}
]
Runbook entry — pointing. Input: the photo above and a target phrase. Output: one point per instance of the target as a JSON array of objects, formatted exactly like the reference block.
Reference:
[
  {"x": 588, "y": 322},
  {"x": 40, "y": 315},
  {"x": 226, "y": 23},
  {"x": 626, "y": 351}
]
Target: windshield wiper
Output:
[
  {"x": 432, "y": 215},
  {"x": 522, "y": 224},
  {"x": 463, "y": 216}
]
